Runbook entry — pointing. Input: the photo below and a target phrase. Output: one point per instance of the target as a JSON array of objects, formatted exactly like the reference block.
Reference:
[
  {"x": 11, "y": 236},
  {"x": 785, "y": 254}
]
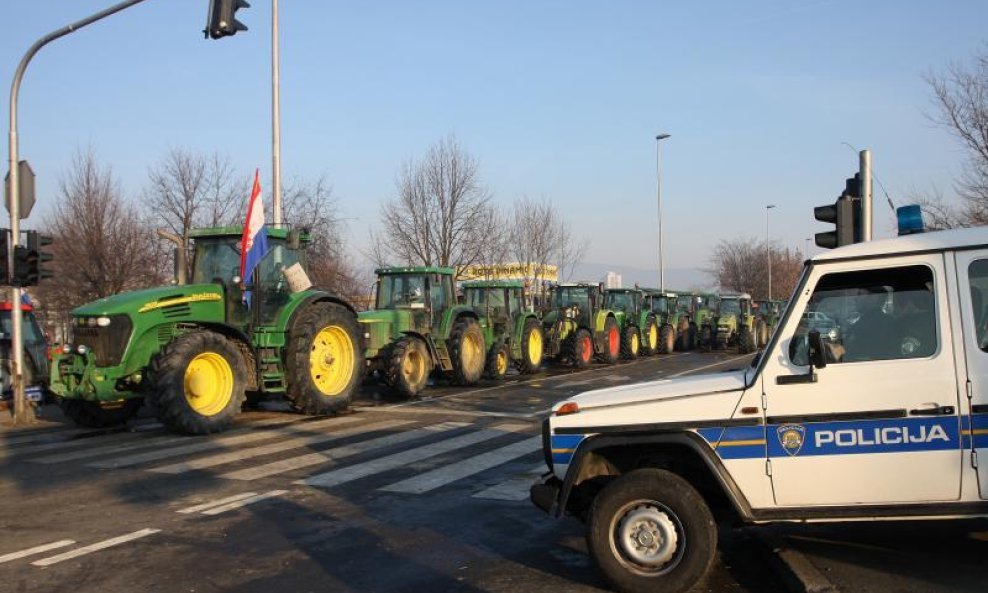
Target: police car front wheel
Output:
[{"x": 650, "y": 530}]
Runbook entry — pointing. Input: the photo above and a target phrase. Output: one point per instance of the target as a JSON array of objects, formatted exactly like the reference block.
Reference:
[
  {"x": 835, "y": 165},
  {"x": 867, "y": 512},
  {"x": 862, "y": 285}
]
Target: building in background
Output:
[{"x": 612, "y": 280}]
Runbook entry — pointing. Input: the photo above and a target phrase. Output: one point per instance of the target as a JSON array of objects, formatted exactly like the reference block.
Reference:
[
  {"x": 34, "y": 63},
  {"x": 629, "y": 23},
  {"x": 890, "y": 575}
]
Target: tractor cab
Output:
[
  {"x": 424, "y": 292},
  {"x": 516, "y": 337},
  {"x": 626, "y": 300}
]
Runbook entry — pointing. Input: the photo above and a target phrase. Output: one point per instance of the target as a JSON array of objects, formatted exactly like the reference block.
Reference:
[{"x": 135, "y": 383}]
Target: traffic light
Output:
[
  {"x": 844, "y": 214},
  {"x": 29, "y": 261},
  {"x": 4, "y": 251},
  {"x": 221, "y": 20}
]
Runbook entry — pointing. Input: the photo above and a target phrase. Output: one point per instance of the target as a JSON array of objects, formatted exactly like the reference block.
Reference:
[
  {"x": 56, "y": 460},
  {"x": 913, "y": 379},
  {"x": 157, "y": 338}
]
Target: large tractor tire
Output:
[
  {"x": 706, "y": 339},
  {"x": 580, "y": 348},
  {"x": 650, "y": 531},
  {"x": 761, "y": 331},
  {"x": 694, "y": 337},
  {"x": 467, "y": 351},
  {"x": 532, "y": 348},
  {"x": 99, "y": 414},
  {"x": 197, "y": 383},
  {"x": 324, "y": 361},
  {"x": 611, "y": 350},
  {"x": 746, "y": 340},
  {"x": 650, "y": 337},
  {"x": 667, "y": 339},
  {"x": 630, "y": 343},
  {"x": 498, "y": 360},
  {"x": 408, "y": 367}
]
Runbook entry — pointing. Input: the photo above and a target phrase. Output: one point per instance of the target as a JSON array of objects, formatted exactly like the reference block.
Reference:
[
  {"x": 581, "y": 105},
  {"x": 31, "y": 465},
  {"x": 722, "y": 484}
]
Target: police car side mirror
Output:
[{"x": 817, "y": 355}]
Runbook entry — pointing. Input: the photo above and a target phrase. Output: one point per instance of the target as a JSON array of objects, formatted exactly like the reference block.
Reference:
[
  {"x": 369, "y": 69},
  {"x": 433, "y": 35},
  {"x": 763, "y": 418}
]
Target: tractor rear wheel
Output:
[
  {"x": 408, "y": 366},
  {"x": 498, "y": 360},
  {"x": 762, "y": 334},
  {"x": 667, "y": 339},
  {"x": 612, "y": 341},
  {"x": 630, "y": 343},
  {"x": 197, "y": 383},
  {"x": 650, "y": 337},
  {"x": 99, "y": 414},
  {"x": 466, "y": 350},
  {"x": 746, "y": 340},
  {"x": 324, "y": 360},
  {"x": 706, "y": 338},
  {"x": 580, "y": 348},
  {"x": 532, "y": 347},
  {"x": 694, "y": 337}
]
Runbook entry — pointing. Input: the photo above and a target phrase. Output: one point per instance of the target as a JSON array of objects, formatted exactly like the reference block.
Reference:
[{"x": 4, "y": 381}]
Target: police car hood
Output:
[{"x": 663, "y": 389}]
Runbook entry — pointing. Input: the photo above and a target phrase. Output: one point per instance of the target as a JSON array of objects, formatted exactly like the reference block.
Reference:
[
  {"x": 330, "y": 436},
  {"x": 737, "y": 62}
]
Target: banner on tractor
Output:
[{"x": 514, "y": 271}]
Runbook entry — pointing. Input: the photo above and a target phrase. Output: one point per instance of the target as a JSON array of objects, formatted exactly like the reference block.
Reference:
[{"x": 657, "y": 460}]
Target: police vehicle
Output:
[{"x": 885, "y": 418}]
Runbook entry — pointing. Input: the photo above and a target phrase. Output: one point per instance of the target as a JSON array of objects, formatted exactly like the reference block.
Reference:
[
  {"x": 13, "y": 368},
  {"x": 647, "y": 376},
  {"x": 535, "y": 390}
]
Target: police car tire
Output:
[
  {"x": 667, "y": 339},
  {"x": 93, "y": 415},
  {"x": 680, "y": 504}
]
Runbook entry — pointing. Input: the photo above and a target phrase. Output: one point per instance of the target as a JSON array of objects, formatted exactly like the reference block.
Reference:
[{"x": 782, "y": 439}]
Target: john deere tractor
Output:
[
  {"x": 767, "y": 315},
  {"x": 515, "y": 328},
  {"x": 736, "y": 323},
  {"x": 193, "y": 351},
  {"x": 417, "y": 326},
  {"x": 639, "y": 328},
  {"x": 578, "y": 326},
  {"x": 701, "y": 311},
  {"x": 673, "y": 325}
]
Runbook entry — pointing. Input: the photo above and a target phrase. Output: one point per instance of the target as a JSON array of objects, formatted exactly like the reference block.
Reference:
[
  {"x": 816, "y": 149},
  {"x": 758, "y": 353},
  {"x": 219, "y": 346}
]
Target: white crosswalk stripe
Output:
[
  {"x": 251, "y": 452},
  {"x": 215, "y": 503},
  {"x": 462, "y": 469},
  {"x": 62, "y": 445},
  {"x": 35, "y": 550},
  {"x": 515, "y": 488},
  {"x": 310, "y": 459},
  {"x": 100, "y": 451},
  {"x": 242, "y": 503},
  {"x": 362, "y": 470},
  {"x": 116, "y": 541}
]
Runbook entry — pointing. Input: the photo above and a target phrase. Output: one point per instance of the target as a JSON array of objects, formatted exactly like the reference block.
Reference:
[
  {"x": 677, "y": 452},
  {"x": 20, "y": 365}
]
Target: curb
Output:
[{"x": 793, "y": 568}]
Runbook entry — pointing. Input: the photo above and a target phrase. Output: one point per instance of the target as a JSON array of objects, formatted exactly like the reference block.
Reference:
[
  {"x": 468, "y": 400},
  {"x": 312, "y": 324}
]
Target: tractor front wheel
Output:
[
  {"x": 581, "y": 348},
  {"x": 746, "y": 340},
  {"x": 99, "y": 414},
  {"x": 324, "y": 360},
  {"x": 630, "y": 343},
  {"x": 612, "y": 341},
  {"x": 197, "y": 383},
  {"x": 761, "y": 333},
  {"x": 408, "y": 367},
  {"x": 498, "y": 360},
  {"x": 650, "y": 337},
  {"x": 532, "y": 347},
  {"x": 706, "y": 338},
  {"x": 693, "y": 337},
  {"x": 667, "y": 339},
  {"x": 466, "y": 349}
]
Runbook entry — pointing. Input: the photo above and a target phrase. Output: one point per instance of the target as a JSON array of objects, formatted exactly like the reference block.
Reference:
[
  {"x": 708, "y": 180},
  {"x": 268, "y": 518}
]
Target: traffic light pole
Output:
[
  {"x": 275, "y": 119},
  {"x": 17, "y": 339},
  {"x": 864, "y": 158}
]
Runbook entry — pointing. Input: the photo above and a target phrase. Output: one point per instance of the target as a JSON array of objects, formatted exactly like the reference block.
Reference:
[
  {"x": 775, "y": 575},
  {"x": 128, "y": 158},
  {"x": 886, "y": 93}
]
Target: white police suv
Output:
[{"x": 882, "y": 414}]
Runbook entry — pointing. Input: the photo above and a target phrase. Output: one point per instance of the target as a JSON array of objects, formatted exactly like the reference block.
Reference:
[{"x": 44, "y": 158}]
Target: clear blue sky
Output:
[{"x": 555, "y": 98}]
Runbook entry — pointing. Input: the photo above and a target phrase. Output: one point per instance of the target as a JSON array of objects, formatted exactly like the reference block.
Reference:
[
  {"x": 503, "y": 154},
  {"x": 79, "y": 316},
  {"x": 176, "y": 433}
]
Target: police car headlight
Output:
[{"x": 102, "y": 321}]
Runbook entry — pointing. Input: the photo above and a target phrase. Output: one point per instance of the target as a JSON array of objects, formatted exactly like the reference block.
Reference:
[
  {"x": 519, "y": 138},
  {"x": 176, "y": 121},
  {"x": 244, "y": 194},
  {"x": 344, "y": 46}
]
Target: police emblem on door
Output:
[{"x": 791, "y": 437}]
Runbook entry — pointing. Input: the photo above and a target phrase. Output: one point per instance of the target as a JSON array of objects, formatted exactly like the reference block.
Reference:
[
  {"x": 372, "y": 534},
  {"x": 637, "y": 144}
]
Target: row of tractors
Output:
[{"x": 197, "y": 352}]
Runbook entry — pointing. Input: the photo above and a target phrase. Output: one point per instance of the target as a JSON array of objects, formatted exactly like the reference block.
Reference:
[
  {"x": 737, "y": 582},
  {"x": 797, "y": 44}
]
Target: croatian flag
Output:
[{"x": 254, "y": 244}]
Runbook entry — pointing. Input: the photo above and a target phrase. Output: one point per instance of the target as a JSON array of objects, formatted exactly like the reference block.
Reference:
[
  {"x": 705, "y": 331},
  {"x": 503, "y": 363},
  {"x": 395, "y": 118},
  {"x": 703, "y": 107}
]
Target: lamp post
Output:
[
  {"x": 768, "y": 251},
  {"x": 658, "y": 191}
]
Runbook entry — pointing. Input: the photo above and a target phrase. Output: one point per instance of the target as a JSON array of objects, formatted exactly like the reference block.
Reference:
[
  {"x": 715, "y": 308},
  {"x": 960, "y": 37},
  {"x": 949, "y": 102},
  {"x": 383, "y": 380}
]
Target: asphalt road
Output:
[{"x": 427, "y": 495}]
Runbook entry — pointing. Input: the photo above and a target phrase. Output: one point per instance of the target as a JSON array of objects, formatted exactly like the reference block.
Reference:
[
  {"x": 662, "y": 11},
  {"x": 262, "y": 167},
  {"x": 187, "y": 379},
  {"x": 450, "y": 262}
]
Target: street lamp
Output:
[
  {"x": 768, "y": 251},
  {"x": 658, "y": 192}
]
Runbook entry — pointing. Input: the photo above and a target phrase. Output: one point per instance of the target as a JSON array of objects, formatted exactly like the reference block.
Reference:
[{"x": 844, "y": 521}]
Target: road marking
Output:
[
  {"x": 295, "y": 443},
  {"x": 468, "y": 467},
  {"x": 242, "y": 503},
  {"x": 35, "y": 550},
  {"x": 293, "y": 463},
  {"x": 100, "y": 451},
  {"x": 513, "y": 489},
  {"x": 95, "y": 547},
  {"x": 199, "y": 445},
  {"x": 215, "y": 503},
  {"x": 69, "y": 444},
  {"x": 375, "y": 466}
]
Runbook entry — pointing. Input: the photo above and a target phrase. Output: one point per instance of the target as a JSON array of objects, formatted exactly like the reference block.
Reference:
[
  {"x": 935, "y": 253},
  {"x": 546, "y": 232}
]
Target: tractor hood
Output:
[
  {"x": 151, "y": 299},
  {"x": 381, "y": 325}
]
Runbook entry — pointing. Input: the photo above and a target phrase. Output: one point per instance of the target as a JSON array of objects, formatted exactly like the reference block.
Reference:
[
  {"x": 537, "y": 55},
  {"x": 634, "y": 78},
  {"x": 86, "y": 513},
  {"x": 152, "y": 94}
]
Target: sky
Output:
[{"x": 766, "y": 102}]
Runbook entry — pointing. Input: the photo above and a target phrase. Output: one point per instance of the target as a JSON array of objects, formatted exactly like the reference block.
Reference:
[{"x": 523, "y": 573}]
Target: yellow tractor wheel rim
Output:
[
  {"x": 635, "y": 344},
  {"x": 534, "y": 347},
  {"x": 502, "y": 362},
  {"x": 413, "y": 366},
  {"x": 653, "y": 336},
  {"x": 331, "y": 360},
  {"x": 208, "y": 383}
]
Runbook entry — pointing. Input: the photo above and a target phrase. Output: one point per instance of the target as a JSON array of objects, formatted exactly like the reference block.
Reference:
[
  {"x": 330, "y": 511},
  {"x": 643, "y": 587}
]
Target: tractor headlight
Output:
[
  {"x": 82, "y": 349},
  {"x": 91, "y": 322},
  {"x": 103, "y": 321},
  {"x": 66, "y": 348}
]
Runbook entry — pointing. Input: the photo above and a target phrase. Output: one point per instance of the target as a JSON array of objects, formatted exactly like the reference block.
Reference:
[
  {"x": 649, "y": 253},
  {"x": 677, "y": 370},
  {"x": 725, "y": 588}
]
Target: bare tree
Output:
[
  {"x": 742, "y": 265},
  {"x": 540, "y": 238},
  {"x": 188, "y": 190},
  {"x": 443, "y": 215},
  {"x": 101, "y": 244},
  {"x": 960, "y": 96}
]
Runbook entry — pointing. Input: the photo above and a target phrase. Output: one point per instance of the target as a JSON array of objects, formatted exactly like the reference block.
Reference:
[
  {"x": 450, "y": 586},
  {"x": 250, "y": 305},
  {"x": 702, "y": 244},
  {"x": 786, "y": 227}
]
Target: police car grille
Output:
[{"x": 106, "y": 343}]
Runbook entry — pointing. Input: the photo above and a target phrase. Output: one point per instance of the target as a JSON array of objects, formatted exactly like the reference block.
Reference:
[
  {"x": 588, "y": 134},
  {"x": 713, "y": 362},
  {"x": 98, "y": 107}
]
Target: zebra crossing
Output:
[{"x": 324, "y": 453}]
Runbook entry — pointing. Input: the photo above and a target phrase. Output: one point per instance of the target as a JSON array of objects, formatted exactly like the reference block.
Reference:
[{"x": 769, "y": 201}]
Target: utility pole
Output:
[
  {"x": 275, "y": 119},
  {"x": 864, "y": 160},
  {"x": 658, "y": 191},
  {"x": 17, "y": 339},
  {"x": 768, "y": 251}
]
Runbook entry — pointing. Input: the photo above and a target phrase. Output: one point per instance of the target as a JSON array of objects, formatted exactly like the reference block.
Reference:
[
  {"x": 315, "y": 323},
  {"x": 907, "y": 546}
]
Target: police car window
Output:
[
  {"x": 881, "y": 314},
  {"x": 977, "y": 274}
]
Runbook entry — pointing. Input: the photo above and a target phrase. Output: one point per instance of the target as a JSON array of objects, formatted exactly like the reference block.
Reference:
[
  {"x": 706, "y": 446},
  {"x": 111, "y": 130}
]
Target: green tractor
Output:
[
  {"x": 736, "y": 323},
  {"x": 417, "y": 326},
  {"x": 767, "y": 314},
  {"x": 673, "y": 324},
  {"x": 578, "y": 326},
  {"x": 516, "y": 329},
  {"x": 700, "y": 311},
  {"x": 639, "y": 328},
  {"x": 192, "y": 352}
]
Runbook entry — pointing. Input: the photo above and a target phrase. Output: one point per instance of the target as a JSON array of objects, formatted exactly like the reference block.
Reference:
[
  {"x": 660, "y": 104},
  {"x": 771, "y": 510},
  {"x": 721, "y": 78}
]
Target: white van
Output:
[{"x": 883, "y": 418}]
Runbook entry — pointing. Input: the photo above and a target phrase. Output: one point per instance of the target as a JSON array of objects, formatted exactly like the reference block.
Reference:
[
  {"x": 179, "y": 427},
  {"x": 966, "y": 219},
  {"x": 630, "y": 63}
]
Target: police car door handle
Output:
[{"x": 932, "y": 409}]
